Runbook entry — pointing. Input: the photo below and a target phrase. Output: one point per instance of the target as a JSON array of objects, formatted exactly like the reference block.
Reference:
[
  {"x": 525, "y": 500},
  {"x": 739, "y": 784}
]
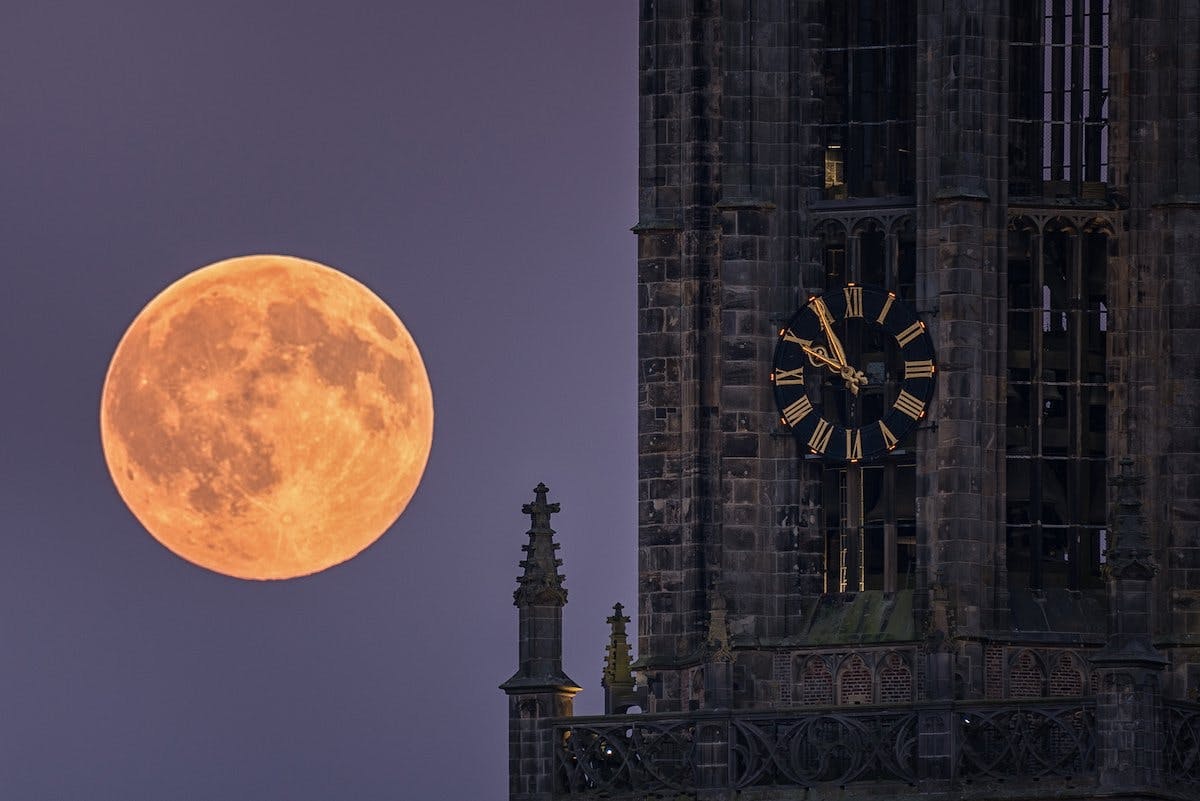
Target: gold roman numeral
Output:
[
  {"x": 797, "y": 411},
  {"x": 854, "y": 301},
  {"x": 910, "y": 405},
  {"x": 909, "y": 334},
  {"x": 889, "y": 439},
  {"x": 788, "y": 336},
  {"x": 853, "y": 444},
  {"x": 922, "y": 368},
  {"x": 819, "y": 440},
  {"x": 887, "y": 307},
  {"x": 785, "y": 377}
]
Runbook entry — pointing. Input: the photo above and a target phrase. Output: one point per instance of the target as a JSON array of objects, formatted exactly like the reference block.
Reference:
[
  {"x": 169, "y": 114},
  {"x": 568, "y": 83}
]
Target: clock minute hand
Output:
[
  {"x": 835, "y": 344},
  {"x": 854, "y": 378}
]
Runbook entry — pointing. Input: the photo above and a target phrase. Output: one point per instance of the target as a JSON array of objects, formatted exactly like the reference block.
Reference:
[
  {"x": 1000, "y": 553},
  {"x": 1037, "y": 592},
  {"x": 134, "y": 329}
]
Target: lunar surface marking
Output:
[{"x": 266, "y": 417}]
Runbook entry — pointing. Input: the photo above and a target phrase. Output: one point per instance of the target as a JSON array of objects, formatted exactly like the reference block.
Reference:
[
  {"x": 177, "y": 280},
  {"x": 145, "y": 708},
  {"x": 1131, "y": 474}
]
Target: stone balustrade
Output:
[{"x": 1050, "y": 743}]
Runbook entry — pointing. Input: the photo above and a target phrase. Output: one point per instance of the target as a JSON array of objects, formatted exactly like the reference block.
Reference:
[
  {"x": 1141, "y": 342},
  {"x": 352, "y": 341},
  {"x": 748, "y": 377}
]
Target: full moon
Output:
[{"x": 266, "y": 417}]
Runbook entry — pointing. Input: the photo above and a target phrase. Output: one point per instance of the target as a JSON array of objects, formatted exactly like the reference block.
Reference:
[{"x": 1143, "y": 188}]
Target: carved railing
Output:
[
  {"x": 635, "y": 755},
  {"x": 829, "y": 747},
  {"x": 625, "y": 753},
  {"x": 1038, "y": 740},
  {"x": 1181, "y": 761}
]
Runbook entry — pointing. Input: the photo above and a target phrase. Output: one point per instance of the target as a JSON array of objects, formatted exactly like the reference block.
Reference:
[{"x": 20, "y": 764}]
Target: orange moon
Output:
[{"x": 266, "y": 417}]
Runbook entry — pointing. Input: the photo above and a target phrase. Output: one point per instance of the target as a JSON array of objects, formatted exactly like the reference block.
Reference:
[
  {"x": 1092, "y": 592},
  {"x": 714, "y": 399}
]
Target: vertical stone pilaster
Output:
[
  {"x": 805, "y": 272},
  {"x": 701, "y": 508},
  {"x": 750, "y": 544},
  {"x": 1136, "y": 287},
  {"x": 1155, "y": 291},
  {"x": 662, "y": 541},
  {"x": 1181, "y": 384},
  {"x": 962, "y": 203},
  {"x": 1183, "y": 97},
  {"x": 679, "y": 342},
  {"x": 767, "y": 93},
  {"x": 1180, "y": 212}
]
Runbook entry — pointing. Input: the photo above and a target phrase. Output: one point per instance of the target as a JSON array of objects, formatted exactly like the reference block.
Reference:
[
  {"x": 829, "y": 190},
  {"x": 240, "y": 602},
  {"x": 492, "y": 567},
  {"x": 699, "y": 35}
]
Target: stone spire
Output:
[
  {"x": 541, "y": 582},
  {"x": 617, "y": 680},
  {"x": 616, "y": 653},
  {"x": 540, "y": 598},
  {"x": 539, "y": 692}
]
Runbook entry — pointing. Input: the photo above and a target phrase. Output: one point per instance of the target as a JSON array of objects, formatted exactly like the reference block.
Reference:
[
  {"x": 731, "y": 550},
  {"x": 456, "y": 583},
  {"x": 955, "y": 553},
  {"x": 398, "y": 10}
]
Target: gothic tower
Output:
[{"x": 918, "y": 280}]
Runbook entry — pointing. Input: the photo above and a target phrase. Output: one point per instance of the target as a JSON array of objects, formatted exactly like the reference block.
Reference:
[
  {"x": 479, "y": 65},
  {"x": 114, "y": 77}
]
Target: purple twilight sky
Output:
[{"x": 474, "y": 163}]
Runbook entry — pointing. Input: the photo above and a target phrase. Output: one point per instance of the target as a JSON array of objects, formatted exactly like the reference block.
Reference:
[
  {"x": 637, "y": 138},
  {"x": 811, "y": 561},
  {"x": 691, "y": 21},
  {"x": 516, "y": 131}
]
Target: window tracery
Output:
[
  {"x": 870, "y": 509},
  {"x": 1058, "y": 322}
]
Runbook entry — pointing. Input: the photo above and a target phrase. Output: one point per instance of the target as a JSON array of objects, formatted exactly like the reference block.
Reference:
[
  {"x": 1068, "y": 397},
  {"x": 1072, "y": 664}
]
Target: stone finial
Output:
[
  {"x": 541, "y": 583},
  {"x": 617, "y": 673},
  {"x": 539, "y": 511},
  {"x": 1130, "y": 556}
]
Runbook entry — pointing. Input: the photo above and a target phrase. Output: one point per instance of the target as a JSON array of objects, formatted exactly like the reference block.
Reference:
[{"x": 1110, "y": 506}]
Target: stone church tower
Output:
[{"x": 1006, "y": 593}]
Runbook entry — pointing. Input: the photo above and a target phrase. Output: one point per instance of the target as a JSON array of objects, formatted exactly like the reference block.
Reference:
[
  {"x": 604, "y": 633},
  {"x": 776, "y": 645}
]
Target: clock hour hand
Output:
[
  {"x": 819, "y": 356},
  {"x": 854, "y": 378}
]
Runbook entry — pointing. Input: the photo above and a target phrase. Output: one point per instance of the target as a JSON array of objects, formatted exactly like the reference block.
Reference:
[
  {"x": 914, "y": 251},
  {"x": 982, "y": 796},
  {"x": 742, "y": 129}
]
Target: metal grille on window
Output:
[
  {"x": 869, "y": 103},
  {"x": 1058, "y": 98},
  {"x": 1056, "y": 420}
]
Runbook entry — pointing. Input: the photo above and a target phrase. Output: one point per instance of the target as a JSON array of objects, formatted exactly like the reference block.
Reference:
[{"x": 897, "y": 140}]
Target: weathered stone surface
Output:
[{"x": 735, "y": 218}]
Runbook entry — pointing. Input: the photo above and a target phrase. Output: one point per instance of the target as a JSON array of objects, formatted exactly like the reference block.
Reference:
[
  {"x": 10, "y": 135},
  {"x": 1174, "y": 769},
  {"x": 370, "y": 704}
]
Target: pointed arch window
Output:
[
  {"x": 869, "y": 510},
  {"x": 1057, "y": 405}
]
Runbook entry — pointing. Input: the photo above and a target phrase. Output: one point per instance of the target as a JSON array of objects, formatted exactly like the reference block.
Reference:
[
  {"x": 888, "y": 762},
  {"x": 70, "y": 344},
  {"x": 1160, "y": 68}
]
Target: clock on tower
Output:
[{"x": 854, "y": 373}]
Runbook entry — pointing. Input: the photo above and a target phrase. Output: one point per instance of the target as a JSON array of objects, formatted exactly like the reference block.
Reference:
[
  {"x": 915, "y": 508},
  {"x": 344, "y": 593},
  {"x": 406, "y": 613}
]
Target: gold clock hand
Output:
[
  {"x": 826, "y": 320},
  {"x": 819, "y": 355},
  {"x": 854, "y": 378}
]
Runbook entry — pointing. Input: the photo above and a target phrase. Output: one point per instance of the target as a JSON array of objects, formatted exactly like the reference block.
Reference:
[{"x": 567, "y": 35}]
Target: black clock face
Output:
[{"x": 853, "y": 373}]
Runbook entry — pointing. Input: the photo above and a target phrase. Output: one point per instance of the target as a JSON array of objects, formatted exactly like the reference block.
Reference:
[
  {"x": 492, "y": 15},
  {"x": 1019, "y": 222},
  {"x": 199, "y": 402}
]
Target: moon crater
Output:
[{"x": 266, "y": 417}]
